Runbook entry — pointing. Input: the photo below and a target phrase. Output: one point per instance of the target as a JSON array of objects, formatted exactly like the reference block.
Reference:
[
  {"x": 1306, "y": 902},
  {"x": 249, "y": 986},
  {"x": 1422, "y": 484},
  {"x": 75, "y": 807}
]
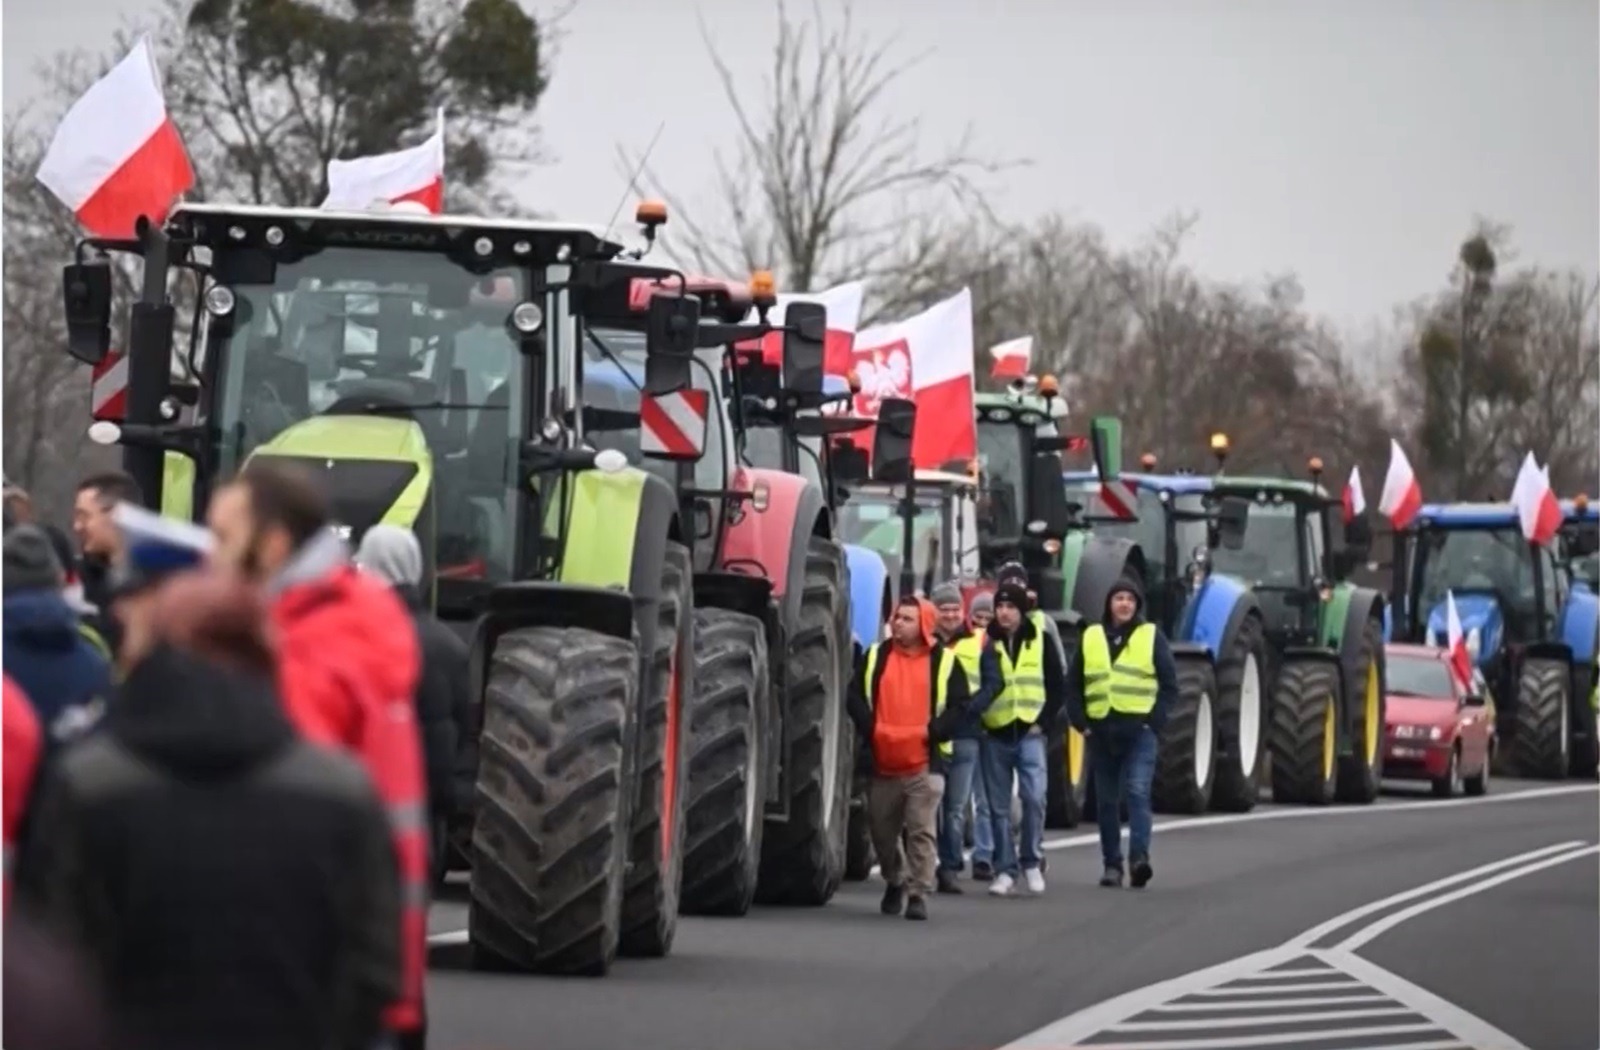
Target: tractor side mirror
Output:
[
  {"x": 1053, "y": 517},
  {"x": 850, "y": 465},
  {"x": 86, "y": 288},
  {"x": 1233, "y": 517},
  {"x": 670, "y": 328},
  {"x": 673, "y": 426},
  {"x": 1105, "y": 437},
  {"x": 1358, "y": 536},
  {"x": 805, "y": 327},
  {"x": 891, "y": 443},
  {"x": 1583, "y": 540}
]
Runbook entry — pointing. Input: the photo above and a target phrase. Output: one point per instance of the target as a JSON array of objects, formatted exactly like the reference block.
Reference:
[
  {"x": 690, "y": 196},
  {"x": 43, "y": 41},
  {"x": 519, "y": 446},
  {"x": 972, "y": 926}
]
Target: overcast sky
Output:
[{"x": 1352, "y": 141}]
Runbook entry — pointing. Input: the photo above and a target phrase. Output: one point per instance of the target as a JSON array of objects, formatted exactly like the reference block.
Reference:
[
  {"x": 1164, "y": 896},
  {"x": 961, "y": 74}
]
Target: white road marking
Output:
[
  {"x": 1443, "y": 1018},
  {"x": 1308, "y": 971},
  {"x": 1270, "y": 1004}
]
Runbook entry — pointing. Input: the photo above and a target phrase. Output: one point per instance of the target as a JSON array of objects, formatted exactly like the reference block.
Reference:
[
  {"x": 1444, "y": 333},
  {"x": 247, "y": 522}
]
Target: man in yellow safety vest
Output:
[
  {"x": 906, "y": 699},
  {"x": 961, "y": 782},
  {"x": 1120, "y": 686},
  {"x": 1016, "y": 725}
]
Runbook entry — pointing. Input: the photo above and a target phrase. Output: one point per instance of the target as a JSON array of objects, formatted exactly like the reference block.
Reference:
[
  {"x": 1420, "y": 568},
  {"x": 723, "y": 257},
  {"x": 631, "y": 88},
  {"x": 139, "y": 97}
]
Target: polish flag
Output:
[
  {"x": 843, "y": 302},
  {"x": 1456, "y": 641},
  {"x": 1402, "y": 496},
  {"x": 117, "y": 155},
  {"x": 1536, "y": 505},
  {"x": 927, "y": 358},
  {"x": 415, "y": 174},
  {"x": 1355, "y": 498},
  {"x": 1011, "y": 358}
]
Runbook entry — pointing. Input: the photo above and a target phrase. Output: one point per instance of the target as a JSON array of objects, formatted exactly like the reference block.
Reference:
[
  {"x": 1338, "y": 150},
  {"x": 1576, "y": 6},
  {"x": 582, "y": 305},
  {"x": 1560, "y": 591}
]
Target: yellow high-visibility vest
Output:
[
  {"x": 1126, "y": 686},
  {"x": 941, "y": 686},
  {"x": 1022, "y": 697},
  {"x": 969, "y": 651}
]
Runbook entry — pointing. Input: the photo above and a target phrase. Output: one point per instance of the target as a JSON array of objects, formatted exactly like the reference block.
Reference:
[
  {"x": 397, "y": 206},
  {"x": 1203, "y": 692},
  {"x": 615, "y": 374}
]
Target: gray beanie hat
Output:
[
  {"x": 392, "y": 554},
  {"x": 945, "y": 594},
  {"x": 983, "y": 601},
  {"x": 30, "y": 561}
]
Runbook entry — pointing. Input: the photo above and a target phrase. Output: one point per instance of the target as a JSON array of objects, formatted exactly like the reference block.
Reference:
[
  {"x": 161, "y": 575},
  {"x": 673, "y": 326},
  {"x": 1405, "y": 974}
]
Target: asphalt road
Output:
[{"x": 1516, "y": 951}]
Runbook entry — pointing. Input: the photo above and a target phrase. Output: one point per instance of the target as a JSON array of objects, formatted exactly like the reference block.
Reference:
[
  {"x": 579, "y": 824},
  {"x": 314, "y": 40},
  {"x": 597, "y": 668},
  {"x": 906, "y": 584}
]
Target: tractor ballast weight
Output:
[
  {"x": 1530, "y": 628},
  {"x": 570, "y": 566}
]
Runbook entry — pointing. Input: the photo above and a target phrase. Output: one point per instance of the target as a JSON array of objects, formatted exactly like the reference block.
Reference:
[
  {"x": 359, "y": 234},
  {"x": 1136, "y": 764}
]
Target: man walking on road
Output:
[
  {"x": 908, "y": 696},
  {"x": 971, "y": 648},
  {"x": 1120, "y": 686},
  {"x": 1016, "y": 726}
]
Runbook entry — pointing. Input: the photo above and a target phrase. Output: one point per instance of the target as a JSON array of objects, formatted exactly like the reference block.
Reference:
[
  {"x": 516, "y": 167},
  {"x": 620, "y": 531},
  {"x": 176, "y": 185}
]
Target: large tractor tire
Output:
[
  {"x": 859, "y": 857},
  {"x": 1584, "y": 761},
  {"x": 802, "y": 858},
  {"x": 1066, "y": 797},
  {"x": 1361, "y": 771},
  {"x": 555, "y": 792},
  {"x": 1304, "y": 733},
  {"x": 1242, "y": 694},
  {"x": 1540, "y": 742},
  {"x": 727, "y": 758},
  {"x": 1187, "y": 760},
  {"x": 655, "y": 856}
]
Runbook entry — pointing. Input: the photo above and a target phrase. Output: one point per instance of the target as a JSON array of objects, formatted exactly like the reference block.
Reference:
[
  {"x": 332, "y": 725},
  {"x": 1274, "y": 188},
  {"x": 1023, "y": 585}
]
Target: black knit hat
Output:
[{"x": 1012, "y": 594}]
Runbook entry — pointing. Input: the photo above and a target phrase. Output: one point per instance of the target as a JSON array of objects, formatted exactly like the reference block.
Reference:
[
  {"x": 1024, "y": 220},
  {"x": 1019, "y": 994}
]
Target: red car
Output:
[{"x": 1435, "y": 728}]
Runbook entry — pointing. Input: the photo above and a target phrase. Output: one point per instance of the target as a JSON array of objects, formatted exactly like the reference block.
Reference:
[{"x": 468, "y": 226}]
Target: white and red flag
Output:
[
  {"x": 1011, "y": 358},
  {"x": 1355, "y": 497},
  {"x": 415, "y": 174},
  {"x": 843, "y": 302},
  {"x": 1402, "y": 495},
  {"x": 116, "y": 154},
  {"x": 1456, "y": 642},
  {"x": 928, "y": 359},
  {"x": 1537, "y": 507}
]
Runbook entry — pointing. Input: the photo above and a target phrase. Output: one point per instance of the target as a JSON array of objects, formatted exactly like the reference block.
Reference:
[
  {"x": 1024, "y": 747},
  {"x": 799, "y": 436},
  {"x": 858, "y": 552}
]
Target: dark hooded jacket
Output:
[
  {"x": 1122, "y": 726},
  {"x": 229, "y": 884},
  {"x": 443, "y": 708}
]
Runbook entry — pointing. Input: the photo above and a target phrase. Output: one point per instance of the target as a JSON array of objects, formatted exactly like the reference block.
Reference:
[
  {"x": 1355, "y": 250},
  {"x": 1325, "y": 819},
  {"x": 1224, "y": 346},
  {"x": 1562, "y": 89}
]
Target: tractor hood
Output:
[{"x": 1482, "y": 624}]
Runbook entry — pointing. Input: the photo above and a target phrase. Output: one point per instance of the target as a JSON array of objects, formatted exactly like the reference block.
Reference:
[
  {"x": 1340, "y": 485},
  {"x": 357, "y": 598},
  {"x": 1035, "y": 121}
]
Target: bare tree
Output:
[{"x": 823, "y": 180}]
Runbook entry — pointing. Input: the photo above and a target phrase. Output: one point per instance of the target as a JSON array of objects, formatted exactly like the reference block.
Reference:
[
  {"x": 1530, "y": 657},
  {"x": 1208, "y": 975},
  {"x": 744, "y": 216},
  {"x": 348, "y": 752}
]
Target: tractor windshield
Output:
[
  {"x": 1485, "y": 560},
  {"x": 870, "y": 518},
  {"x": 1270, "y": 557},
  {"x": 408, "y": 335},
  {"x": 763, "y": 449},
  {"x": 613, "y": 376},
  {"x": 1002, "y": 455},
  {"x": 1150, "y": 530}
]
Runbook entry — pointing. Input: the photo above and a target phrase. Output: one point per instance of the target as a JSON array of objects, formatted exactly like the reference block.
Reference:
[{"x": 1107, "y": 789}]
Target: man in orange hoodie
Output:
[{"x": 908, "y": 698}]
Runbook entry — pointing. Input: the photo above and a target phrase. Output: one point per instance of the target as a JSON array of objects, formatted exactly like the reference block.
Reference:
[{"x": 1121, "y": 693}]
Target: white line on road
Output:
[
  {"x": 1112, "y": 1015},
  {"x": 1347, "y": 983},
  {"x": 1301, "y": 971},
  {"x": 1213, "y": 1023},
  {"x": 1271, "y": 1004},
  {"x": 1321, "y": 930},
  {"x": 1356, "y": 940},
  {"x": 1233, "y": 1042}
]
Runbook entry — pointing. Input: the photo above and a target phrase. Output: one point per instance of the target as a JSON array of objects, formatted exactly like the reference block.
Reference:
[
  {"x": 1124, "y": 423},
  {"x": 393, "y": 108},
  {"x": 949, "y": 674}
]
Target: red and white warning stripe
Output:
[
  {"x": 108, "y": 390},
  {"x": 673, "y": 426},
  {"x": 1121, "y": 498}
]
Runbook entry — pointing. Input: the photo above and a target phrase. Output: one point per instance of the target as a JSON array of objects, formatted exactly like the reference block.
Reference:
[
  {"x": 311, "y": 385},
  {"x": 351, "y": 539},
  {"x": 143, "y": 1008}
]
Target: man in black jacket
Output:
[
  {"x": 1121, "y": 685},
  {"x": 394, "y": 555},
  {"x": 229, "y": 884}
]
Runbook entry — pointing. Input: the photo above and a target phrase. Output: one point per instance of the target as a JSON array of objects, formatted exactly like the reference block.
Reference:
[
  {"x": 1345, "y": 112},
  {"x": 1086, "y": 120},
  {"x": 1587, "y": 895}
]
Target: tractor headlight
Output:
[
  {"x": 219, "y": 300},
  {"x": 1474, "y": 643},
  {"x": 527, "y": 318}
]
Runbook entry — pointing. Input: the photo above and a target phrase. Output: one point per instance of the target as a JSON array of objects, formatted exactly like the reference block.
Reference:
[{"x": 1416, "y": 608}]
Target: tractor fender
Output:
[
  {"x": 1102, "y": 561},
  {"x": 1580, "y": 623},
  {"x": 1548, "y": 650},
  {"x": 869, "y": 593},
  {"x": 1215, "y": 614},
  {"x": 1191, "y": 651},
  {"x": 772, "y": 542},
  {"x": 1344, "y": 616},
  {"x": 735, "y": 592}
]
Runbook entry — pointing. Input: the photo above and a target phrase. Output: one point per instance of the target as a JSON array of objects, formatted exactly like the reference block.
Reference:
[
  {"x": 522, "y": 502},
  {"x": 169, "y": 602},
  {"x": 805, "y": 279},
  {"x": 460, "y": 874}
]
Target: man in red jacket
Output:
[
  {"x": 20, "y": 760},
  {"x": 349, "y": 664}
]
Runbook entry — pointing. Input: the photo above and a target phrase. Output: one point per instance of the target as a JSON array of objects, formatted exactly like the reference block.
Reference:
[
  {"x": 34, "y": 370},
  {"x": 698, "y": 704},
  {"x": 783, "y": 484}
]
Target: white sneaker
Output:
[
  {"x": 1035, "y": 880},
  {"x": 1001, "y": 886}
]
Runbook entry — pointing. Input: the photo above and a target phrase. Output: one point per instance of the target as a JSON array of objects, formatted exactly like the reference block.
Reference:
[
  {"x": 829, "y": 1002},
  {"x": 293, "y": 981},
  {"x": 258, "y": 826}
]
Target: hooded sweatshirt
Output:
[
  {"x": 900, "y": 723},
  {"x": 1121, "y": 726}
]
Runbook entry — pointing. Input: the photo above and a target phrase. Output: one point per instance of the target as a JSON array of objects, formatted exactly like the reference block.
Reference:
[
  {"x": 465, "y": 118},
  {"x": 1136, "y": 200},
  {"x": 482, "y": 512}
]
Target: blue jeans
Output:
[
  {"x": 1024, "y": 759},
  {"x": 1123, "y": 768},
  {"x": 963, "y": 783}
]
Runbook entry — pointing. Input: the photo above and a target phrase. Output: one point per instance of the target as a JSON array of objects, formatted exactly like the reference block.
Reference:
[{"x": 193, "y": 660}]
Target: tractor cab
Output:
[
  {"x": 940, "y": 514},
  {"x": 1017, "y": 429}
]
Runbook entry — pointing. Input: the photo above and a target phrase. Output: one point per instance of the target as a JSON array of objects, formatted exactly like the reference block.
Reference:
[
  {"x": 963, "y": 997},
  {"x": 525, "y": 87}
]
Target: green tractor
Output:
[
  {"x": 1025, "y": 514},
  {"x": 1324, "y": 636},
  {"x": 428, "y": 369}
]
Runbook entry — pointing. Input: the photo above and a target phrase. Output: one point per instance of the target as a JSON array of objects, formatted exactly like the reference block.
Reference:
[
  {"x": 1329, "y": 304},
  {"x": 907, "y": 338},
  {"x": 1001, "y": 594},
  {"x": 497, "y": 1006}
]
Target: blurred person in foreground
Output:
[
  {"x": 348, "y": 666},
  {"x": 394, "y": 555},
  {"x": 100, "y": 542},
  {"x": 907, "y": 698},
  {"x": 229, "y": 884},
  {"x": 48, "y": 653},
  {"x": 971, "y": 648}
]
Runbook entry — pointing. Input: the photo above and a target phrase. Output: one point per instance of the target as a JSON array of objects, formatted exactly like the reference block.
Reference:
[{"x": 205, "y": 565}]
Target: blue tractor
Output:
[
  {"x": 1529, "y": 622},
  {"x": 1171, "y": 529}
]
